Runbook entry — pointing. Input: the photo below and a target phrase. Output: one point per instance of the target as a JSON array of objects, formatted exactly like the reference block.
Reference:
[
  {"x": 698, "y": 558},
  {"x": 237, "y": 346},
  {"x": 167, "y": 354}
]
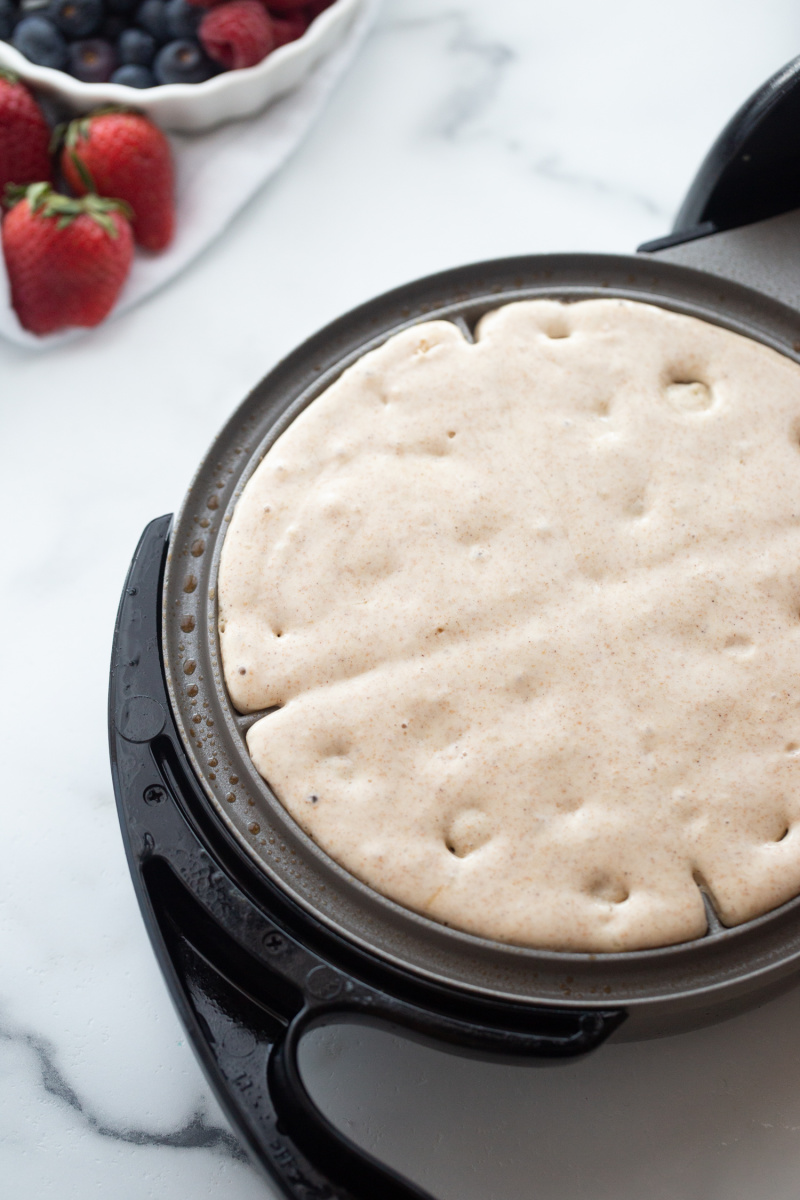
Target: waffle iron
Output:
[{"x": 260, "y": 936}]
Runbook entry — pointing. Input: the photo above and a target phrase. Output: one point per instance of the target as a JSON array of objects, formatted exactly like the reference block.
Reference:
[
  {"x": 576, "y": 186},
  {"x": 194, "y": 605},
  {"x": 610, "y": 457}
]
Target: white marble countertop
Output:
[{"x": 464, "y": 130}]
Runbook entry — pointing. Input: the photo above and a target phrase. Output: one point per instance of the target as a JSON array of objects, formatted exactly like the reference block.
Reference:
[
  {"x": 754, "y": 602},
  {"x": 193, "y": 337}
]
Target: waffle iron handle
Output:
[
  {"x": 354, "y": 1174},
  {"x": 360, "y": 1175},
  {"x": 740, "y": 219},
  {"x": 250, "y": 1048},
  {"x": 248, "y": 996}
]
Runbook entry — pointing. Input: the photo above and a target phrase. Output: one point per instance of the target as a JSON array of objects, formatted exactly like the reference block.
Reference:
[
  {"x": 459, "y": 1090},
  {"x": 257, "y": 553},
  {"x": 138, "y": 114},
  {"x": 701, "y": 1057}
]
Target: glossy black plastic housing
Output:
[
  {"x": 252, "y": 962},
  {"x": 259, "y": 935},
  {"x": 752, "y": 171},
  {"x": 249, "y": 971}
]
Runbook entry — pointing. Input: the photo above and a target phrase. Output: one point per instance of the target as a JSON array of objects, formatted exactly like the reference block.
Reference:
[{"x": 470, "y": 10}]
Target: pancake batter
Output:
[{"x": 530, "y": 610}]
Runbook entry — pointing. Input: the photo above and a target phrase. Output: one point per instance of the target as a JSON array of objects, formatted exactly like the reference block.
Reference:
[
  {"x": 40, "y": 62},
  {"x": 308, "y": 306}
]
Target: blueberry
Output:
[
  {"x": 93, "y": 60},
  {"x": 76, "y": 18},
  {"x": 133, "y": 75},
  {"x": 39, "y": 40},
  {"x": 183, "y": 19},
  {"x": 152, "y": 16},
  {"x": 8, "y": 19},
  {"x": 135, "y": 46},
  {"x": 27, "y": 7},
  {"x": 183, "y": 62},
  {"x": 112, "y": 27},
  {"x": 122, "y": 6}
]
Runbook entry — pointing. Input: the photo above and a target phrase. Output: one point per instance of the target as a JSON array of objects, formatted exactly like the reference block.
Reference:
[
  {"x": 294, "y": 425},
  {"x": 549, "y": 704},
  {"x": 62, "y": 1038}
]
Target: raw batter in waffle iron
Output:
[{"x": 530, "y": 608}]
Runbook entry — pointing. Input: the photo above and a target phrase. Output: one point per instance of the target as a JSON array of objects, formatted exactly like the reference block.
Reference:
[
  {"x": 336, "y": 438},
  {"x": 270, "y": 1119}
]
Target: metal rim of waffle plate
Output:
[{"x": 725, "y": 962}]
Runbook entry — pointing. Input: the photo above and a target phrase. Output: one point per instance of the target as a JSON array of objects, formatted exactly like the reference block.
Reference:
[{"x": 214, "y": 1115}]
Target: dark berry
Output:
[
  {"x": 122, "y": 6},
  {"x": 112, "y": 27},
  {"x": 28, "y": 7},
  {"x": 183, "y": 62},
  {"x": 134, "y": 75},
  {"x": 152, "y": 16},
  {"x": 76, "y": 18},
  {"x": 39, "y": 40},
  {"x": 183, "y": 19},
  {"x": 136, "y": 47},
  {"x": 93, "y": 61},
  {"x": 8, "y": 19}
]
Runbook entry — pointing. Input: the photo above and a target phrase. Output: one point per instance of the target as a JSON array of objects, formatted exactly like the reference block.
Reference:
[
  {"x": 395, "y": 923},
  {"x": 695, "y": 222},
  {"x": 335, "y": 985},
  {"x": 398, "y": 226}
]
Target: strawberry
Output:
[
  {"x": 24, "y": 135},
  {"x": 117, "y": 152},
  {"x": 237, "y": 34},
  {"x": 67, "y": 259}
]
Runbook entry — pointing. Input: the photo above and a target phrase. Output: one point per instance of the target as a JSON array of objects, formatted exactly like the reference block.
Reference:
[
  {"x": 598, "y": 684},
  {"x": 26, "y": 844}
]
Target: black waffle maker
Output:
[{"x": 261, "y": 937}]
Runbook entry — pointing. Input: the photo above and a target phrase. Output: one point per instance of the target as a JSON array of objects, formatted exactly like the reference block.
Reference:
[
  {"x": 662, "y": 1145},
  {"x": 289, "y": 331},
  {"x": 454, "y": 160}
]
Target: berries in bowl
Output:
[
  {"x": 67, "y": 254},
  {"x": 188, "y": 65}
]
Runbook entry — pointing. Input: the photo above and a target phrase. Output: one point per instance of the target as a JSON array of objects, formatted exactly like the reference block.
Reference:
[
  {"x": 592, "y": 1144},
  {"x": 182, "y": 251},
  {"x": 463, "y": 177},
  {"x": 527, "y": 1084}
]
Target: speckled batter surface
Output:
[{"x": 531, "y": 610}]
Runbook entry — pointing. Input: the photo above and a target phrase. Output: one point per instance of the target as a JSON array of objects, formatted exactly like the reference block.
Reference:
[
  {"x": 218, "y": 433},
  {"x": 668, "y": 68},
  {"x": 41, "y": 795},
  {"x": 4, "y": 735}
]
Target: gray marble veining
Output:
[
  {"x": 195, "y": 1134},
  {"x": 464, "y": 131}
]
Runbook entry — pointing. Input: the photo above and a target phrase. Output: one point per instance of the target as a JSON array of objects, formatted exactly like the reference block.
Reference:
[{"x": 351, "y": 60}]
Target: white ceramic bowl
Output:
[{"x": 190, "y": 107}]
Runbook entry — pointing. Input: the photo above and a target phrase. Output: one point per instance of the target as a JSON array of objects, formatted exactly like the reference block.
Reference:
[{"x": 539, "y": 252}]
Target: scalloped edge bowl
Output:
[{"x": 192, "y": 107}]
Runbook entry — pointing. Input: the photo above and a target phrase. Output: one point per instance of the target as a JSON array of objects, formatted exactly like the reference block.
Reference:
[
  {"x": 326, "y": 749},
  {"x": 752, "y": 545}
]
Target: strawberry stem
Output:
[
  {"x": 49, "y": 204},
  {"x": 84, "y": 174},
  {"x": 57, "y": 137}
]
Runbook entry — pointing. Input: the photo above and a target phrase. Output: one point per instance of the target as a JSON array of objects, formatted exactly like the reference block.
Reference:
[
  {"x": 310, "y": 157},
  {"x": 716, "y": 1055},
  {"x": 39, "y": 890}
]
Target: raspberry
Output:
[
  {"x": 237, "y": 34},
  {"x": 288, "y": 29}
]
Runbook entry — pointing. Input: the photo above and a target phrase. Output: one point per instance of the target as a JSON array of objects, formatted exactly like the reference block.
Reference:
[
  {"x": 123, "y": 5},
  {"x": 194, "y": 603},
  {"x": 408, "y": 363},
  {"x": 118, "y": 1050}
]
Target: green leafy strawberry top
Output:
[{"x": 65, "y": 209}]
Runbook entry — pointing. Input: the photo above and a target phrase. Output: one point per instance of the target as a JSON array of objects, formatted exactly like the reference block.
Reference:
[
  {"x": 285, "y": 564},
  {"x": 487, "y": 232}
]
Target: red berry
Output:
[
  {"x": 24, "y": 136},
  {"x": 285, "y": 6},
  {"x": 288, "y": 29},
  {"x": 316, "y": 7},
  {"x": 237, "y": 34},
  {"x": 124, "y": 155},
  {"x": 67, "y": 259},
  {"x": 306, "y": 8}
]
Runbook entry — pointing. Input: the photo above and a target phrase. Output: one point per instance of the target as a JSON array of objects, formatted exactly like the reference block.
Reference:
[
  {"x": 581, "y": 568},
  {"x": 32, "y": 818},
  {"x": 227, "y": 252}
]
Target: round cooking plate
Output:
[{"x": 724, "y": 961}]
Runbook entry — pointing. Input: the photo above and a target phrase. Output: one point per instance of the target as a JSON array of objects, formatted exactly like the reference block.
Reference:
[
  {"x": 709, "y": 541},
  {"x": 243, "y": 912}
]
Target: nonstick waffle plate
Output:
[{"x": 694, "y": 975}]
